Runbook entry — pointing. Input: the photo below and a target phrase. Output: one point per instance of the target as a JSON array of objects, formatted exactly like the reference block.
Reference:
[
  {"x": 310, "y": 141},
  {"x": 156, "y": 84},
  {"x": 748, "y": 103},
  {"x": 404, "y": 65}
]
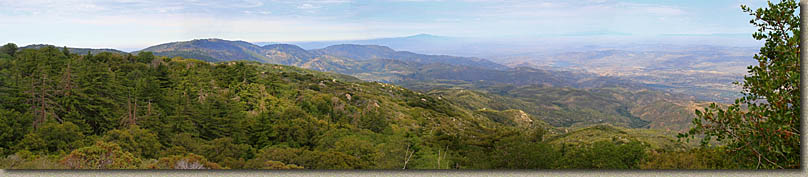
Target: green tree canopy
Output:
[
  {"x": 762, "y": 128},
  {"x": 9, "y": 49},
  {"x": 141, "y": 142}
]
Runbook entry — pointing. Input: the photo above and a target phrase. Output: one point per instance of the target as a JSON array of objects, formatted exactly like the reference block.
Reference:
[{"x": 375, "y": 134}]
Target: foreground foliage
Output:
[{"x": 762, "y": 129}]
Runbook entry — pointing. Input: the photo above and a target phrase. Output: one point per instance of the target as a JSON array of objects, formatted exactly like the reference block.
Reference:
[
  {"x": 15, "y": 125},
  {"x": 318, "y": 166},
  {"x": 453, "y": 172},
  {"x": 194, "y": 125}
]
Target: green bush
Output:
[{"x": 102, "y": 155}]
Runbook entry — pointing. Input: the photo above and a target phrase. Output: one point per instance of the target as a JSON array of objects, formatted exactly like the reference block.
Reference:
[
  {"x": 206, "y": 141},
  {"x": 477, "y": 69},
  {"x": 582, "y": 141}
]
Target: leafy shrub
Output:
[{"x": 102, "y": 155}]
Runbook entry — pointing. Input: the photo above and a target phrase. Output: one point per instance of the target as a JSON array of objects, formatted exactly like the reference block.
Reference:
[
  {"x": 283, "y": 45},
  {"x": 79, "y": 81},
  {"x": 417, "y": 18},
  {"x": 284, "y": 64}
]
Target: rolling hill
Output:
[{"x": 209, "y": 50}]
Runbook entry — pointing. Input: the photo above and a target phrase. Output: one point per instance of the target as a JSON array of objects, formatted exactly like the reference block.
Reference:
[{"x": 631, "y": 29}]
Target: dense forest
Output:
[{"x": 112, "y": 110}]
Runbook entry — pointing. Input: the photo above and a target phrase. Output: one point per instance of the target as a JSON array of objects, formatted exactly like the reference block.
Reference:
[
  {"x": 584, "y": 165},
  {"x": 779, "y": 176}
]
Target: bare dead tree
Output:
[
  {"x": 408, "y": 155},
  {"x": 186, "y": 165},
  {"x": 42, "y": 114},
  {"x": 41, "y": 103},
  {"x": 444, "y": 155},
  {"x": 131, "y": 112},
  {"x": 67, "y": 81},
  {"x": 438, "y": 167},
  {"x": 148, "y": 108},
  {"x": 134, "y": 113}
]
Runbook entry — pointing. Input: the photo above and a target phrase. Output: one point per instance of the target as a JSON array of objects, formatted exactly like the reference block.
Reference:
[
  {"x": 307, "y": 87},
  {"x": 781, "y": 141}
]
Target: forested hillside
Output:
[
  {"x": 561, "y": 98},
  {"x": 64, "y": 110}
]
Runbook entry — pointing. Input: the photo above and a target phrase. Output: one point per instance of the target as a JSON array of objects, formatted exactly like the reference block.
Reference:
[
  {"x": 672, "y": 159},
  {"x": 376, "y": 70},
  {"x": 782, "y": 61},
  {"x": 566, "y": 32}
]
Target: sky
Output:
[{"x": 135, "y": 24}]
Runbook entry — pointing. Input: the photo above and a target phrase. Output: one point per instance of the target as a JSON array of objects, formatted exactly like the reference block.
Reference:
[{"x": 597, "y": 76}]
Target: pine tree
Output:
[{"x": 96, "y": 92}]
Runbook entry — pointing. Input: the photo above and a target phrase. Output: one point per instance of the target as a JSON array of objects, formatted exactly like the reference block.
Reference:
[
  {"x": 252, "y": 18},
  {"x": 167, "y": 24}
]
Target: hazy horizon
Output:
[
  {"x": 131, "y": 25},
  {"x": 539, "y": 43}
]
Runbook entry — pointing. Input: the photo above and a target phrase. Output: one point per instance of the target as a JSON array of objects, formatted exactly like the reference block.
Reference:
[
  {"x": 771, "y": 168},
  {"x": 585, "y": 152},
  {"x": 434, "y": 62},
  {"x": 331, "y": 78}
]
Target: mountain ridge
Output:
[
  {"x": 225, "y": 50},
  {"x": 404, "y": 42}
]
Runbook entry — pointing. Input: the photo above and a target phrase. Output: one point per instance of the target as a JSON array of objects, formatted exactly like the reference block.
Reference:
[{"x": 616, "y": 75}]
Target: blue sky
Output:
[{"x": 134, "y": 24}]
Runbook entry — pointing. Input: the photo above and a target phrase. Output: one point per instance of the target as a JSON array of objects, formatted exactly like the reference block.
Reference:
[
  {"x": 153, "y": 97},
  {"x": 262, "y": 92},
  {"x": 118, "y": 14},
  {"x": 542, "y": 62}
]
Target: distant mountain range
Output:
[
  {"x": 419, "y": 41},
  {"x": 368, "y": 62},
  {"x": 493, "y": 48},
  {"x": 224, "y": 50}
]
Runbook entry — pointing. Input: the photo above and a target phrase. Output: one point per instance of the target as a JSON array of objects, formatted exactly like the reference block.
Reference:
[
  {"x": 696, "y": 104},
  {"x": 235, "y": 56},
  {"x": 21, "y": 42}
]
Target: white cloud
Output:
[{"x": 307, "y": 6}]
